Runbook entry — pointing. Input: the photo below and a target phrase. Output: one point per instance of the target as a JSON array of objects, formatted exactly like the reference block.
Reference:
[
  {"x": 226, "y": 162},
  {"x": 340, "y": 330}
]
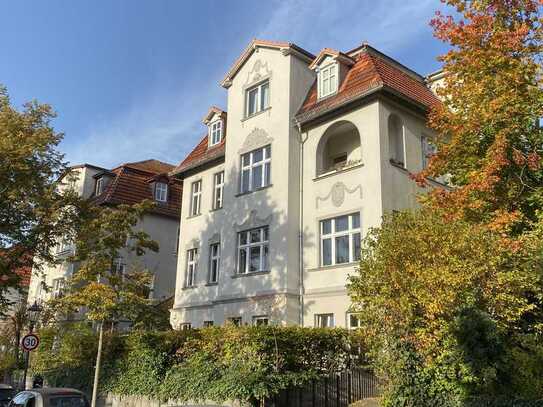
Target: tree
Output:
[
  {"x": 34, "y": 213},
  {"x": 449, "y": 292},
  {"x": 490, "y": 140},
  {"x": 105, "y": 293}
]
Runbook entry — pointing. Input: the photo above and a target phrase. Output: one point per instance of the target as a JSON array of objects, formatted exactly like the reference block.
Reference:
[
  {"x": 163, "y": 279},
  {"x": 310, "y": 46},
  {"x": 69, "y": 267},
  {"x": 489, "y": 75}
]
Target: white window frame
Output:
[
  {"x": 218, "y": 190},
  {"x": 261, "y": 104},
  {"x": 351, "y": 232},
  {"x": 215, "y": 132},
  {"x": 161, "y": 192},
  {"x": 196, "y": 198},
  {"x": 326, "y": 320},
  {"x": 58, "y": 285},
  {"x": 250, "y": 165},
  {"x": 185, "y": 326},
  {"x": 428, "y": 150},
  {"x": 208, "y": 323},
  {"x": 192, "y": 267},
  {"x": 358, "y": 322},
  {"x": 214, "y": 260},
  {"x": 99, "y": 186},
  {"x": 236, "y": 321},
  {"x": 261, "y": 320},
  {"x": 263, "y": 244},
  {"x": 328, "y": 80}
]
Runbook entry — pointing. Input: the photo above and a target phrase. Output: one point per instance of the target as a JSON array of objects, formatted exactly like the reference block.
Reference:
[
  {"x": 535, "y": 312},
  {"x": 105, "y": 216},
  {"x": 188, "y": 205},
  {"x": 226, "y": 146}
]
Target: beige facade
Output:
[
  {"x": 334, "y": 166},
  {"x": 48, "y": 280}
]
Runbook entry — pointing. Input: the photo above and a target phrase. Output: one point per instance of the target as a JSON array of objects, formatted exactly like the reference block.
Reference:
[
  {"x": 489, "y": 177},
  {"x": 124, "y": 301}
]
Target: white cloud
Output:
[
  {"x": 164, "y": 123},
  {"x": 346, "y": 24}
]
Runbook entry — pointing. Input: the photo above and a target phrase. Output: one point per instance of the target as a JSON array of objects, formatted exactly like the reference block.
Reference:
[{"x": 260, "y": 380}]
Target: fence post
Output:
[
  {"x": 338, "y": 389},
  {"x": 349, "y": 399},
  {"x": 313, "y": 393},
  {"x": 325, "y": 391}
]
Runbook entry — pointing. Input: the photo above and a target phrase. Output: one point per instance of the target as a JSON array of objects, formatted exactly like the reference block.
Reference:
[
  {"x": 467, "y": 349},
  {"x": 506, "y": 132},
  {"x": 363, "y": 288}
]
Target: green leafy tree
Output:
[
  {"x": 34, "y": 214},
  {"x": 448, "y": 293},
  {"x": 97, "y": 288}
]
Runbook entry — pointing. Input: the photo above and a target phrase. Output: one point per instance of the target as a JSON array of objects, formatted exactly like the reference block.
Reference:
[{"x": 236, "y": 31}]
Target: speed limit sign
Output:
[{"x": 30, "y": 342}]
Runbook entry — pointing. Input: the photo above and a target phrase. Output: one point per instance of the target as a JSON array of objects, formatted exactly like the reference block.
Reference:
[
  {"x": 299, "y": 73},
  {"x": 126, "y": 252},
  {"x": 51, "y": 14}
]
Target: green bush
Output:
[{"x": 218, "y": 363}]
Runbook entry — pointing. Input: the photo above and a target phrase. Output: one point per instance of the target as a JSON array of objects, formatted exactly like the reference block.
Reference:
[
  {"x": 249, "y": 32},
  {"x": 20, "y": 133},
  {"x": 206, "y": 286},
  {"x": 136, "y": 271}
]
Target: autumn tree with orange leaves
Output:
[{"x": 451, "y": 295}]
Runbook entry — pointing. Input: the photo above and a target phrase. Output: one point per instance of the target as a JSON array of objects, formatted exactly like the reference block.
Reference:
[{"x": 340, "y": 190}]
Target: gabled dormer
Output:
[
  {"x": 160, "y": 188},
  {"x": 101, "y": 181},
  {"x": 215, "y": 120},
  {"x": 331, "y": 67}
]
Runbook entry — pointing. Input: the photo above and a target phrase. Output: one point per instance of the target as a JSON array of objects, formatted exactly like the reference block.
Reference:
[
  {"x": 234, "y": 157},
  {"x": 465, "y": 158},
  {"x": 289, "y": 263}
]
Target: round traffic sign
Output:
[{"x": 30, "y": 342}]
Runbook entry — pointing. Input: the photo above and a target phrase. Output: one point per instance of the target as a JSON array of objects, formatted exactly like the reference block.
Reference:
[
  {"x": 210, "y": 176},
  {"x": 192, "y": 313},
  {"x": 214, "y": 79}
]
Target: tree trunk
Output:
[{"x": 97, "y": 367}]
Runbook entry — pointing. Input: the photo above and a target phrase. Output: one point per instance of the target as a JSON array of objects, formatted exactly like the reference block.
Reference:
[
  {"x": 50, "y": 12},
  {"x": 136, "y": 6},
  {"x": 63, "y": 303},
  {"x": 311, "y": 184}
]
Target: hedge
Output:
[{"x": 217, "y": 363}]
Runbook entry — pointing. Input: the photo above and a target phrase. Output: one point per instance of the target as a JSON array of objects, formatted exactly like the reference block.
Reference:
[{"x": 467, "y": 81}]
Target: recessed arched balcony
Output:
[{"x": 339, "y": 148}]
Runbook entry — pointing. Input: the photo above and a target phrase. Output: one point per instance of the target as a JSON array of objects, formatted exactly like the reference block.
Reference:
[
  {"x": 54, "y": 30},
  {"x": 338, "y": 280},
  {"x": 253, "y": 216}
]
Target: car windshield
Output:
[
  {"x": 68, "y": 401},
  {"x": 23, "y": 399}
]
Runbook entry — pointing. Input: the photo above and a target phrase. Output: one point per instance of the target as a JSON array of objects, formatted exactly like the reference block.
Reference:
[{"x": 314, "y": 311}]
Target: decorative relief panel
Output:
[
  {"x": 255, "y": 139},
  {"x": 259, "y": 72},
  {"x": 253, "y": 221},
  {"x": 337, "y": 194}
]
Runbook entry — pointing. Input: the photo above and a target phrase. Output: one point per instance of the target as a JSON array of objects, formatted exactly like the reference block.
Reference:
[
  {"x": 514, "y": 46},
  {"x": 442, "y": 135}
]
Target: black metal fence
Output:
[{"x": 338, "y": 390}]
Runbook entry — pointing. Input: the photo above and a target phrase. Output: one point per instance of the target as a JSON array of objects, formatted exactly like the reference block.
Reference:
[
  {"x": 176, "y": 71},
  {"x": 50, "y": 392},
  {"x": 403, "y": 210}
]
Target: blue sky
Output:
[{"x": 131, "y": 80}]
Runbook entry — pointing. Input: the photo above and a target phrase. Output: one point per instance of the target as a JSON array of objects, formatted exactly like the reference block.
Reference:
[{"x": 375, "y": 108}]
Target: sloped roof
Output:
[
  {"x": 201, "y": 154},
  {"x": 131, "y": 184},
  {"x": 372, "y": 71}
]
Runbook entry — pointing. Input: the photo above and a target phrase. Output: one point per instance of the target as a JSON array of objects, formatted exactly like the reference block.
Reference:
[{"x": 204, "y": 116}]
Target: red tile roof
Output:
[
  {"x": 22, "y": 261},
  {"x": 372, "y": 71},
  {"x": 132, "y": 183},
  {"x": 201, "y": 154}
]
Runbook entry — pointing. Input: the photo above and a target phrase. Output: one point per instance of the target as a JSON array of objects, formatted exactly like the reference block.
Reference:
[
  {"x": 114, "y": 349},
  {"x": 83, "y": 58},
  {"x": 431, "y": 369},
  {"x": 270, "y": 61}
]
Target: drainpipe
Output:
[{"x": 301, "y": 140}]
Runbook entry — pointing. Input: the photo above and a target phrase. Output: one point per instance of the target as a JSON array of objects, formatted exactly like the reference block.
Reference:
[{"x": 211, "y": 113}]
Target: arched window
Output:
[
  {"x": 339, "y": 148},
  {"x": 396, "y": 140}
]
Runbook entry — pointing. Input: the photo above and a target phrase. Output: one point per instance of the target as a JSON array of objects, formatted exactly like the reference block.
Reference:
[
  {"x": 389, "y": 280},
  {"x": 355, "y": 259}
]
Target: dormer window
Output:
[
  {"x": 99, "y": 187},
  {"x": 161, "y": 192},
  {"x": 328, "y": 80},
  {"x": 215, "y": 132}
]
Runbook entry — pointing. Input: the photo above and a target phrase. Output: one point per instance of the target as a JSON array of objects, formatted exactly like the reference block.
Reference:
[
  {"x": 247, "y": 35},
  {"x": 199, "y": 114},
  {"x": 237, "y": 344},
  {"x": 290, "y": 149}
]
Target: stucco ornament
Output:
[
  {"x": 337, "y": 194},
  {"x": 258, "y": 72},
  {"x": 255, "y": 139},
  {"x": 253, "y": 221}
]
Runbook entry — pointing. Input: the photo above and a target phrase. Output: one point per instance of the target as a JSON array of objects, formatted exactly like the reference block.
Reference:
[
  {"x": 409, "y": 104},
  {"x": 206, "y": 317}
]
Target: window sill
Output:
[
  {"x": 256, "y": 114},
  {"x": 216, "y": 209},
  {"x": 334, "y": 266},
  {"x": 211, "y": 284},
  {"x": 193, "y": 216},
  {"x": 252, "y": 273},
  {"x": 332, "y": 173},
  {"x": 189, "y": 287},
  {"x": 334, "y": 93},
  {"x": 253, "y": 191},
  {"x": 397, "y": 164}
]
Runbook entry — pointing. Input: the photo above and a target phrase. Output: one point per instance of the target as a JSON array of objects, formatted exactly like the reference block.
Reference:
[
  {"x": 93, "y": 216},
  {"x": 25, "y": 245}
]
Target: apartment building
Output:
[
  {"x": 280, "y": 190},
  {"x": 128, "y": 183}
]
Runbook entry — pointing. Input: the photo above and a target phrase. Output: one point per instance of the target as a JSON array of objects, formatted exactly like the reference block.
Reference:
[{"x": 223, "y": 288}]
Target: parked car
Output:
[
  {"x": 6, "y": 394},
  {"x": 50, "y": 397}
]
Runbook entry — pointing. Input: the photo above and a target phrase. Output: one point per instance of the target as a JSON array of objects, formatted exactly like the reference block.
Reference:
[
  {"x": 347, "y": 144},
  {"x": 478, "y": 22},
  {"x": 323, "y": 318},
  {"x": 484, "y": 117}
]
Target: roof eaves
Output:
[{"x": 315, "y": 112}]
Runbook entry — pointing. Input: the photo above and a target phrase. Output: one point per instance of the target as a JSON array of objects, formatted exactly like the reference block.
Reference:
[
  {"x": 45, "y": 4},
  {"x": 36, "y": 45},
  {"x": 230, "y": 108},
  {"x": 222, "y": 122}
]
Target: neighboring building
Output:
[
  {"x": 16, "y": 296},
  {"x": 316, "y": 149},
  {"x": 126, "y": 184}
]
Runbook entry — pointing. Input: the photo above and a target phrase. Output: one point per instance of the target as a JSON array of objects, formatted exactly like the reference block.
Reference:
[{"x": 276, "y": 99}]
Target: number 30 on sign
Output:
[{"x": 30, "y": 342}]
